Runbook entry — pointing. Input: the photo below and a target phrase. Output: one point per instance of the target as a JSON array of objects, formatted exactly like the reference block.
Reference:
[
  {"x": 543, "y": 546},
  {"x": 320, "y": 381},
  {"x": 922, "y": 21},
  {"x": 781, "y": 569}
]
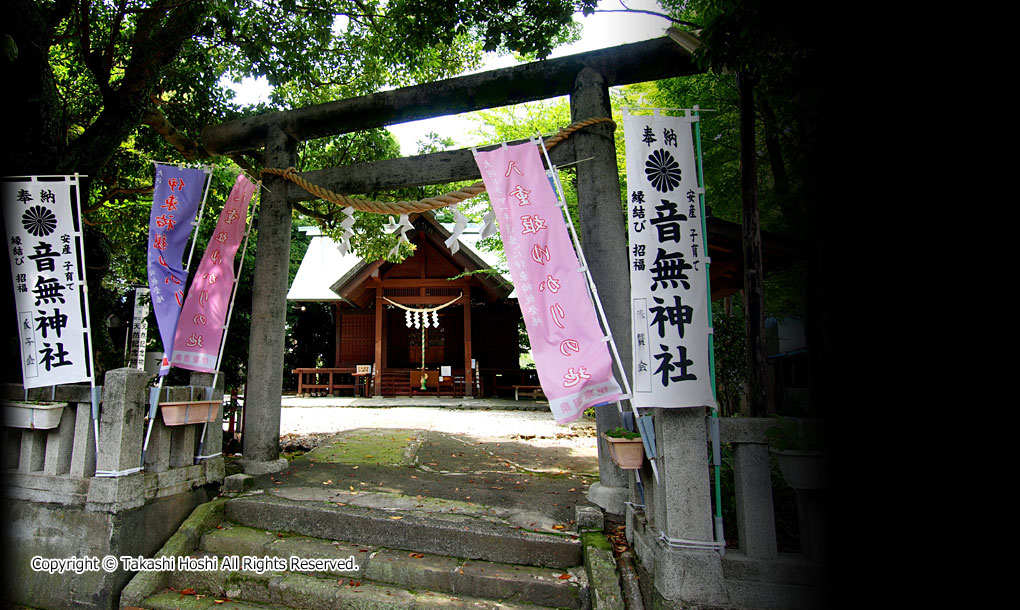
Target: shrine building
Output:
[{"x": 472, "y": 352}]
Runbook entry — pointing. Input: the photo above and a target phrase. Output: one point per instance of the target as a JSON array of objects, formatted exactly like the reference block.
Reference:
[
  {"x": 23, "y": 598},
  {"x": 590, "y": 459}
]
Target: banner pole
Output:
[
  {"x": 151, "y": 416},
  {"x": 198, "y": 218},
  {"x": 590, "y": 281},
  {"x": 154, "y": 395},
  {"x": 88, "y": 320},
  {"x": 587, "y": 272},
  {"x": 720, "y": 537},
  {"x": 230, "y": 312}
]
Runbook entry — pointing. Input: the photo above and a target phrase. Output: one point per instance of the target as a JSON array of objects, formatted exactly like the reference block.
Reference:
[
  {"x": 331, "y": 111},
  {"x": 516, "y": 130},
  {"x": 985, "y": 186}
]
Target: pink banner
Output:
[
  {"x": 567, "y": 342},
  {"x": 204, "y": 315}
]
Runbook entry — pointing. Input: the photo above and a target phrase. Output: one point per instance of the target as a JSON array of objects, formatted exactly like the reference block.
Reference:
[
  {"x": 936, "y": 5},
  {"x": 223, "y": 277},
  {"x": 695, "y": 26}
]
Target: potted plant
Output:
[
  {"x": 625, "y": 447},
  {"x": 802, "y": 457},
  {"x": 33, "y": 415}
]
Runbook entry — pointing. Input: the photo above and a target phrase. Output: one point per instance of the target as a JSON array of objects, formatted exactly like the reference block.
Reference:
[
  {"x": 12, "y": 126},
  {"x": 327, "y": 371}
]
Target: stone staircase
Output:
[{"x": 405, "y": 559}]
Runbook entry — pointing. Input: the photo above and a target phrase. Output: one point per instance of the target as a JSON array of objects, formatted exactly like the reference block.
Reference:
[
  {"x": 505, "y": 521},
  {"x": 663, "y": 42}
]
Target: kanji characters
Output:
[
  {"x": 48, "y": 290},
  {"x": 43, "y": 256},
  {"x": 53, "y": 358},
  {"x": 669, "y": 270},
  {"x": 532, "y": 223},
  {"x": 676, "y": 315},
  {"x": 166, "y": 221},
  {"x": 666, "y": 365},
  {"x": 55, "y": 322},
  {"x": 521, "y": 194},
  {"x": 667, "y": 221}
]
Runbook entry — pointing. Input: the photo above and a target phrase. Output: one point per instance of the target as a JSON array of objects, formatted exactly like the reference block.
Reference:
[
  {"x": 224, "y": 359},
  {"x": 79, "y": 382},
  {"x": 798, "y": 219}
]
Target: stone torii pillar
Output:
[
  {"x": 261, "y": 439},
  {"x": 604, "y": 235}
]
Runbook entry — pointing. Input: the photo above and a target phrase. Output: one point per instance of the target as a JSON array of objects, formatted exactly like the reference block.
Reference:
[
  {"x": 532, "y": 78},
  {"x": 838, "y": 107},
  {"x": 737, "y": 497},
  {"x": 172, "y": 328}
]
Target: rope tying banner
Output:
[{"x": 422, "y": 205}]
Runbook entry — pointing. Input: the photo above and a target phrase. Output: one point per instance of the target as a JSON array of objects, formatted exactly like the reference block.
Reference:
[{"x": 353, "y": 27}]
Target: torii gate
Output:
[{"x": 585, "y": 77}]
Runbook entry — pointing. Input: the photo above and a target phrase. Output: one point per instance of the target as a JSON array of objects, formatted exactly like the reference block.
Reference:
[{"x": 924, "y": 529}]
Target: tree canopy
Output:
[{"x": 106, "y": 87}]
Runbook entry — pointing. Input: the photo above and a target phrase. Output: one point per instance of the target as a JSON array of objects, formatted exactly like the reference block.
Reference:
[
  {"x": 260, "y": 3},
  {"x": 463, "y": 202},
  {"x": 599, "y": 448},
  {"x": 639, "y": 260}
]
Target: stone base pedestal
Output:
[
  {"x": 256, "y": 468},
  {"x": 610, "y": 499}
]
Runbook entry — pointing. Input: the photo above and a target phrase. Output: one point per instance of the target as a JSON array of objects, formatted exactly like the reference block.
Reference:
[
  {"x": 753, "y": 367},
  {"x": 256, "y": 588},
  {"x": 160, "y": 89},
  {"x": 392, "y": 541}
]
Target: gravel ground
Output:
[
  {"x": 491, "y": 424},
  {"x": 304, "y": 428}
]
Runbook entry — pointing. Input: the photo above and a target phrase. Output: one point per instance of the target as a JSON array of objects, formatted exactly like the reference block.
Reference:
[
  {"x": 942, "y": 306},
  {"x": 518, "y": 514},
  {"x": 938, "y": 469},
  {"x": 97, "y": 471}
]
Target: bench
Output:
[
  {"x": 310, "y": 380},
  {"x": 528, "y": 391}
]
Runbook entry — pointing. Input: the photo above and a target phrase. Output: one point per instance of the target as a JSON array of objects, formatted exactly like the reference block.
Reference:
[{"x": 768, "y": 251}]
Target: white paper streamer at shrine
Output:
[
  {"x": 460, "y": 223},
  {"x": 345, "y": 238},
  {"x": 402, "y": 226},
  {"x": 668, "y": 264},
  {"x": 43, "y": 238}
]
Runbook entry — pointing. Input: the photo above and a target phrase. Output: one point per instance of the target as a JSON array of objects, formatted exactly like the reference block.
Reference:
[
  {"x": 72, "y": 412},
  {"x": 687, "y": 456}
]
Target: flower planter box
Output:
[
  {"x": 33, "y": 415},
  {"x": 804, "y": 469},
  {"x": 628, "y": 453},
  {"x": 191, "y": 412}
]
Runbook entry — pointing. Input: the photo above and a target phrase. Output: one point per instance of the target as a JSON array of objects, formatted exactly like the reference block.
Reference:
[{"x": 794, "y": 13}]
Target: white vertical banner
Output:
[
  {"x": 42, "y": 217},
  {"x": 139, "y": 329},
  {"x": 668, "y": 264}
]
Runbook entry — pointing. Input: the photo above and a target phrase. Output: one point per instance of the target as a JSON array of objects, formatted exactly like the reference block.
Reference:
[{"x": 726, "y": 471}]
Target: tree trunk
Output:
[{"x": 759, "y": 392}]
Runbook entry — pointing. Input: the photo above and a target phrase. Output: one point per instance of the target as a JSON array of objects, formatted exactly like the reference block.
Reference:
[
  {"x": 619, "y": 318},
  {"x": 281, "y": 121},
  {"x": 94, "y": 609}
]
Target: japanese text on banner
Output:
[
  {"x": 572, "y": 358},
  {"x": 668, "y": 265},
  {"x": 41, "y": 217},
  {"x": 200, "y": 329},
  {"x": 176, "y": 194}
]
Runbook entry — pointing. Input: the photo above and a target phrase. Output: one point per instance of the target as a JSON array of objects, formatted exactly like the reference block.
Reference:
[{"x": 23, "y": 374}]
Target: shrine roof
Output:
[{"x": 323, "y": 267}]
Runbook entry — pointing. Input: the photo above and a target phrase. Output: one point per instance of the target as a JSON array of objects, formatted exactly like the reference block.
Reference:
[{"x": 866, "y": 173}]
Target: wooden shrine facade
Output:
[{"x": 477, "y": 336}]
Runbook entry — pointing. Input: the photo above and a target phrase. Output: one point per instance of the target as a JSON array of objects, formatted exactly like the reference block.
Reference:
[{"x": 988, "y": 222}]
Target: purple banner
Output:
[
  {"x": 204, "y": 316},
  {"x": 567, "y": 342},
  {"x": 176, "y": 195}
]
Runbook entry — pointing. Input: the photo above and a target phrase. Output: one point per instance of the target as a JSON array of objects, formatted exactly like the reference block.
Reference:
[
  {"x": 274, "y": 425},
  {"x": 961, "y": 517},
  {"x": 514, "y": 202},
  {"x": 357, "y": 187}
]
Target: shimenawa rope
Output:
[{"x": 429, "y": 203}]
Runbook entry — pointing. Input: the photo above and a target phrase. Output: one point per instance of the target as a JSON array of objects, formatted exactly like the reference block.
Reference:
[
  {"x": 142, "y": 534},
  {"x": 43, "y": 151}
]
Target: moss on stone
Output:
[
  {"x": 363, "y": 447},
  {"x": 597, "y": 540}
]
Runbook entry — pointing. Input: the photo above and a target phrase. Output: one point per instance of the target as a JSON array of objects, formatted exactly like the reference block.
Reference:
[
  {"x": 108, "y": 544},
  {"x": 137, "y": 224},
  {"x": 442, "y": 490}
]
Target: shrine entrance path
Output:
[{"x": 520, "y": 466}]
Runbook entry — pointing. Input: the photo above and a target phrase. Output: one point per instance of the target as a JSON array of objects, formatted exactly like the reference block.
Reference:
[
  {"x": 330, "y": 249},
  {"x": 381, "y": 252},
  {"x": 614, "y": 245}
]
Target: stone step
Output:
[
  {"x": 174, "y": 600},
  {"x": 291, "y": 590},
  {"x": 468, "y": 536},
  {"x": 417, "y": 571}
]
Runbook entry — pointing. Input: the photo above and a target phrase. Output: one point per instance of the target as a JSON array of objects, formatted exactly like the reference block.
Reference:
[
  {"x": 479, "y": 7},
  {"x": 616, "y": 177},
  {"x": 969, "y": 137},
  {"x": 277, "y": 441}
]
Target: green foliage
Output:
[
  {"x": 788, "y": 435},
  {"x": 730, "y": 343},
  {"x": 621, "y": 432},
  {"x": 773, "y": 44},
  {"x": 92, "y": 75}
]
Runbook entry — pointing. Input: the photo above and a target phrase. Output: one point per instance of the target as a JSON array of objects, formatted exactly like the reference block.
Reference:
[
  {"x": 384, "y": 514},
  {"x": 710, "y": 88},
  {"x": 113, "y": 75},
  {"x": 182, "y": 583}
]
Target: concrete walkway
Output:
[{"x": 447, "y": 402}]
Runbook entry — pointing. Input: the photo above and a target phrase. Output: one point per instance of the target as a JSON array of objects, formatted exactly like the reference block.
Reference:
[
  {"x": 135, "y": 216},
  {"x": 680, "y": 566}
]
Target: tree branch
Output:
[
  {"x": 114, "y": 35},
  {"x": 60, "y": 10},
  {"x": 653, "y": 13},
  {"x": 87, "y": 56},
  {"x": 155, "y": 45},
  {"x": 190, "y": 149},
  {"x": 117, "y": 193},
  {"x": 314, "y": 214}
]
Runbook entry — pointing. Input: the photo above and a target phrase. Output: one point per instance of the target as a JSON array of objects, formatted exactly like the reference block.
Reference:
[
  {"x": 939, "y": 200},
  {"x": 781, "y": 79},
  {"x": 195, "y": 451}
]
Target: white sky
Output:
[{"x": 600, "y": 31}]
